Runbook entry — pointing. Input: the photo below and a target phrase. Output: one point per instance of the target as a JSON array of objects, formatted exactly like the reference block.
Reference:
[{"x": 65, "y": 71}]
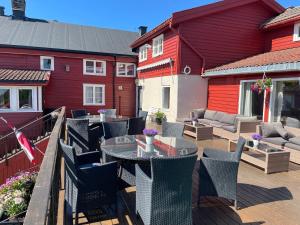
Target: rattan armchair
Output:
[
  {"x": 136, "y": 126},
  {"x": 90, "y": 187},
  {"x": 172, "y": 129},
  {"x": 78, "y": 113},
  {"x": 165, "y": 196},
  {"x": 218, "y": 172}
]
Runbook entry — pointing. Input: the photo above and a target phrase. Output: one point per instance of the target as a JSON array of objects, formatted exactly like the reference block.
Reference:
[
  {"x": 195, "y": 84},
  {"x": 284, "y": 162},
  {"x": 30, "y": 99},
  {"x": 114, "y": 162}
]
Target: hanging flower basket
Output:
[{"x": 262, "y": 85}]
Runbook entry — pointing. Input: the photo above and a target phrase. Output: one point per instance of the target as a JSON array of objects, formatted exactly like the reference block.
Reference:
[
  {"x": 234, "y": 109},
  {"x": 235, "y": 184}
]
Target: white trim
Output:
[
  {"x": 152, "y": 65},
  {"x": 94, "y": 102},
  {"x": 126, "y": 70},
  {"x": 95, "y": 62},
  {"x": 42, "y": 63},
  {"x": 143, "y": 50},
  {"x": 40, "y": 98},
  {"x": 296, "y": 36},
  {"x": 160, "y": 37}
]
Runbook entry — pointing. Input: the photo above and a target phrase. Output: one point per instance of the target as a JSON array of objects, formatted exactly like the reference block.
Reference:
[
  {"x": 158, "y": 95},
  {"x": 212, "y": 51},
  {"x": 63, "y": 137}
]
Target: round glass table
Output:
[
  {"x": 134, "y": 147},
  {"x": 96, "y": 118}
]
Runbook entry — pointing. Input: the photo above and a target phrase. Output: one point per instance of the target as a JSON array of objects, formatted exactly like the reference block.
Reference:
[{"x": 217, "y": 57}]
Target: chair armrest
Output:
[
  {"x": 247, "y": 126},
  {"x": 217, "y": 154},
  {"x": 88, "y": 157}
]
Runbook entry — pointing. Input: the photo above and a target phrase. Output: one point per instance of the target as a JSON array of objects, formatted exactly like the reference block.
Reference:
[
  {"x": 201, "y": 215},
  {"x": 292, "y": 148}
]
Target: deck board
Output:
[{"x": 263, "y": 198}]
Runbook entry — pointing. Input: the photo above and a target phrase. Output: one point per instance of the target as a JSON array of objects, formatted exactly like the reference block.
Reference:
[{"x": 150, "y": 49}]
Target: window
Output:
[
  {"x": 158, "y": 45},
  {"x": 296, "y": 32},
  {"x": 93, "y": 94},
  {"x": 125, "y": 69},
  {"x": 94, "y": 67},
  {"x": 25, "y": 99},
  {"x": 47, "y": 63},
  {"x": 166, "y": 98},
  {"x": 4, "y": 98},
  {"x": 143, "y": 52}
]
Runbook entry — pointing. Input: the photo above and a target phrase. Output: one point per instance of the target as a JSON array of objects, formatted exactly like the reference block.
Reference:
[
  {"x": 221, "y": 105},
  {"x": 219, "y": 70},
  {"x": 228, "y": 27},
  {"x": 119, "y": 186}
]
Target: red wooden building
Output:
[
  {"x": 174, "y": 55},
  {"x": 47, "y": 64}
]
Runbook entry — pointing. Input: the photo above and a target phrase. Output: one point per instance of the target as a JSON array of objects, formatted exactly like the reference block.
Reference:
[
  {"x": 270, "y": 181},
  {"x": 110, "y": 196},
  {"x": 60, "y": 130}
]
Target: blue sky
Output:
[{"x": 118, "y": 14}]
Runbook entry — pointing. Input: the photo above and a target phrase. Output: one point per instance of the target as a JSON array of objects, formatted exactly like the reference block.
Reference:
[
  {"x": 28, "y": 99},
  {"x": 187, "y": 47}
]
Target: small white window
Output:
[
  {"x": 143, "y": 52},
  {"x": 4, "y": 98},
  {"x": 166, "y": 98},
  {"x": 126, "y": 70},
  {"x": 158, "y": 45},
  {"x": 47, "y": 63},
  {"x": 25, "y": 99},
  {"x": 296, "y": 32},
  {"x": 93, "y": 94},
  {"x": 94, "y": 67}
]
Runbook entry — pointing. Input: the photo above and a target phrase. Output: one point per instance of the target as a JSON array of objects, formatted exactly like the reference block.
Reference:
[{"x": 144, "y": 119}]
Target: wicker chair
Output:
[
  {"x": 78, "y": 113},
  {"x": 111, "y": 112},
  {"x": 165, "y": 197},
  {"x": 83, "y": 193},
  {"x": 218, "y": 172},
  {"x": 78, "y": 134},
  {"x": 172, "y": 129},
  {"x": 143, "y": 114},
  {"x": 136, "y": 125},
  {"x": 114, "y": 129}
]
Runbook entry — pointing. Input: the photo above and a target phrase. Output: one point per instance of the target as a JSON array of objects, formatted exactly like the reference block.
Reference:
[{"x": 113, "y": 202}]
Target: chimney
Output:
[
  {"x": 142, "y": 30},
  {"x": 18, "y": 7},
  {"x": 2, "y": 11}
]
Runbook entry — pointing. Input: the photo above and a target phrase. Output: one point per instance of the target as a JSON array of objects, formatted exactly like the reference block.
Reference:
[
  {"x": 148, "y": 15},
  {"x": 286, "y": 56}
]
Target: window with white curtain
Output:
[
  {"x": 158, "y": 45},
  {"x": 126, "y": 70},
  {"x": 94, "y": 67},
  {"x": 93, "y": 94}
]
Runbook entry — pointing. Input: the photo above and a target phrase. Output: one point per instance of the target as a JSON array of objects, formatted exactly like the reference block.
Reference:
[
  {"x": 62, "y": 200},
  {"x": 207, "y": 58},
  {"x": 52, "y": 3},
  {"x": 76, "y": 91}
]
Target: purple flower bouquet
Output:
[
  {"x": 256, "y": 137},
  {"x": 150, "y": 132},
  {"x": 101, "y": 111}
]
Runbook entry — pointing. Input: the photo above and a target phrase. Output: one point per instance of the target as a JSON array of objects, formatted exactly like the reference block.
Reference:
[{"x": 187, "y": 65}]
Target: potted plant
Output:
[
  {"x": 150, "y": 134},
  {"x": 262, "y": 85},
  {"x": 14, "y": 198},
  {"x": 159, "y": 117},
  {"x": 256, "y": 139},
  {"x": 102, "y": 114}
]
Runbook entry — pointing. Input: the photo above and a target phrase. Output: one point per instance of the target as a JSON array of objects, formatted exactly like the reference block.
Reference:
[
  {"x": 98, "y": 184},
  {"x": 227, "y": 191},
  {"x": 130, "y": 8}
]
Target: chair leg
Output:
[{"x": 236, "y": 204}]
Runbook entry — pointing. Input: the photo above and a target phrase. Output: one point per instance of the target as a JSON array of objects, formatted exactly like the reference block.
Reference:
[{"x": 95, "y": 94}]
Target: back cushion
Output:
[
  {"x": 292, "y": 122},
  {"x": 228, "y": 119},
  {"x": 219, "y": 116},
  {"x": 209, "y": 114},
  {"x": 269, "y": 129}
]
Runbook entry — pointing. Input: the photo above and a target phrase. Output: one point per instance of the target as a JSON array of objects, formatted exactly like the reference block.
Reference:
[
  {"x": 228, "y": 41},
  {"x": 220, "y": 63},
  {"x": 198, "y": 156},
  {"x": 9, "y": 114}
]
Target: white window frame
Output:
[
  {"x": 42, "y": 63},
  {"x": 143, "y": 53},
  {"x": 95, "y": 62},
  {"x": 94, "y": 100},
  {"x": 160, "y": 37},
  {"x": 126, "y": 70},
  {"x": 10, "y": 99},
  {"x": 14, "y": 99},
  {"x": 296, "y": 36}
]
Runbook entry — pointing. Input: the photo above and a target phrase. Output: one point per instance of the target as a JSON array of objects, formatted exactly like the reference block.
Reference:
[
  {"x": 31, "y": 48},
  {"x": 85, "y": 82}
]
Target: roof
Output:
[
  {"x": 52, "y": 35},
  {"x": 289, "y": 15},
  {"x": 24, "y": 76},
  {"x": 277, "y": 61},
  {"x": 201, "y": 11}
]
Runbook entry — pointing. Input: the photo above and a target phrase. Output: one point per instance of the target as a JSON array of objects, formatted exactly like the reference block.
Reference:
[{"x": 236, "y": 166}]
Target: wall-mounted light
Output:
[
  {"x": 120, "y": 88},
  {"x": 67, "y": 68}
]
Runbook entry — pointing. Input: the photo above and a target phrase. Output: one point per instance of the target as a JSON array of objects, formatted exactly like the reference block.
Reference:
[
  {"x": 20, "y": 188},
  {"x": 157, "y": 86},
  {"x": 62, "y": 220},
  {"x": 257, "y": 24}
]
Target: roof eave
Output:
[
  {"x": 282, "y": 23},
  {"x": 273, "y": 68}
]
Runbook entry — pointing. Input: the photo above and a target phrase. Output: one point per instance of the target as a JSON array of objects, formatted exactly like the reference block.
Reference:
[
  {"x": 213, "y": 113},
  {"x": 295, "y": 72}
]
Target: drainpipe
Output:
[
  {"x": 190, "y": 46},
  {"x": 114, "y": 81}
]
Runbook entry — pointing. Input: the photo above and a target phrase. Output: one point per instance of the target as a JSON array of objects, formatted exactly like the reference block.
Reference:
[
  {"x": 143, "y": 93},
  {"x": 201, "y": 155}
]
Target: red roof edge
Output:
[
  {"x": 282, "y": 23},
  {"x": 205, "y": 10}
]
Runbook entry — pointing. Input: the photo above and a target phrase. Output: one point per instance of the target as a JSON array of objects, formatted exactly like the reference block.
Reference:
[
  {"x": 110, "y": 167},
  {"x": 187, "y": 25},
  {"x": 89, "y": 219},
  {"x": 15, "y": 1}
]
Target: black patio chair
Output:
[
  {"x": 143, "y": 114},
  {"x": 218, "y": 172},
  {"x": 78, "y": 113},
  {"x": 172, "y": 129},
  {"x": 91, "y": 188},
  {"x": 136, "y": 125},
  {"x": 111, "y": 112},
  {"x": 165, "y": 196},
  {"x": 114, "y": 129}
]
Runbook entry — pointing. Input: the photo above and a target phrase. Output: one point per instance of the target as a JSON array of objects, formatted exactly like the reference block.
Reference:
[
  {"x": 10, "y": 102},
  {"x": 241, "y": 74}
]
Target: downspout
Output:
[
  {"x": 114, "y": 81},
  {"x": 190, "y": 46}
]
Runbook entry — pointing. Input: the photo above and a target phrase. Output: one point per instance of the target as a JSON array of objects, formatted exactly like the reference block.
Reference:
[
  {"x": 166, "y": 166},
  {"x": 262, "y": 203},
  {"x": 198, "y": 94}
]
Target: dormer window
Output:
[
  {"x": 158, "y": 45},
  {"x": 296, "y": 32},
  {"x": 143, "y": 53}
]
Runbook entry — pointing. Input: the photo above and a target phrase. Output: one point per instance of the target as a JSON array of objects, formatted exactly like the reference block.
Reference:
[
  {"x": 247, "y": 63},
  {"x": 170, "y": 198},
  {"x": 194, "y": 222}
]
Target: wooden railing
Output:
[{"x": 43, "y": 205}]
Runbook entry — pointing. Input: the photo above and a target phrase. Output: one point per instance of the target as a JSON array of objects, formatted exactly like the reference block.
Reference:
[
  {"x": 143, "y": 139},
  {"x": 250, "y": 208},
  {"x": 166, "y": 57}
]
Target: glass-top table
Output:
[
  {"x": 96, "y": 118},
  {"x": 134, "y": 147}
]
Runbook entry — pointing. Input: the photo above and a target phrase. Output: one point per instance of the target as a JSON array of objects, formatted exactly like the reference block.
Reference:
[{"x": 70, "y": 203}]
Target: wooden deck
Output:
[{"x": 263, "y": 199}]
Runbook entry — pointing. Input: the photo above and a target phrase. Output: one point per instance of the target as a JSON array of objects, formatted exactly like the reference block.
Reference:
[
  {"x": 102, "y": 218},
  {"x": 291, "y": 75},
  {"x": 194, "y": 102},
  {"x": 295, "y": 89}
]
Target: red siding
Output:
[
  {"x": 169, "y": 51},
  {"x": 66, "y": 88},
  {"x": 226, "y": 36},
  {"x": 281, "y": 38}
]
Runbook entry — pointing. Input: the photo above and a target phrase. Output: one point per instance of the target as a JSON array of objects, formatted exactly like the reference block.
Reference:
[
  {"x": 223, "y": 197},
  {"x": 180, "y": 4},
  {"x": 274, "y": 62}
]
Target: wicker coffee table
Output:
[
  {"x": 271, "y": 160},
  {"x": 199, "y": 131}
]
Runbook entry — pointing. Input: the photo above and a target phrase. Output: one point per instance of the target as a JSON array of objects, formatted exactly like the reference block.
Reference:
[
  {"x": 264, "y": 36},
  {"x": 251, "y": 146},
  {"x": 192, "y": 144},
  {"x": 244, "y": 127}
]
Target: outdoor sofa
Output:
[
  {"x": 285, "y": 137},
  {"x": 225, "y": 125}
]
